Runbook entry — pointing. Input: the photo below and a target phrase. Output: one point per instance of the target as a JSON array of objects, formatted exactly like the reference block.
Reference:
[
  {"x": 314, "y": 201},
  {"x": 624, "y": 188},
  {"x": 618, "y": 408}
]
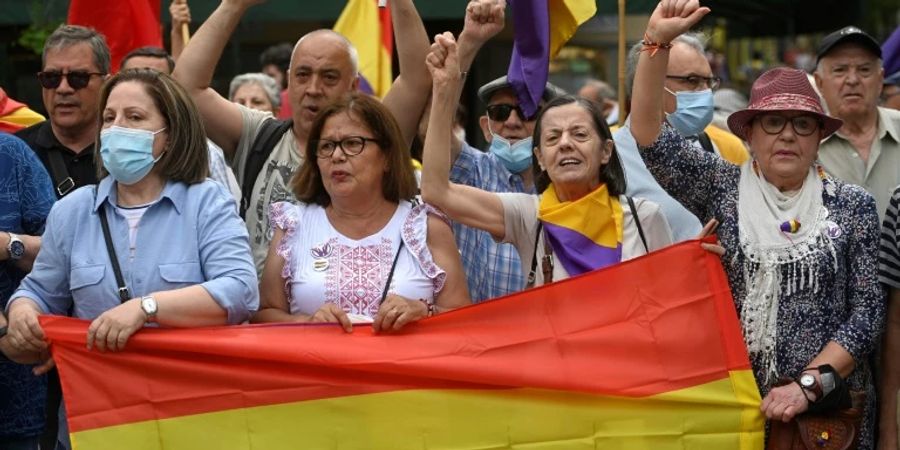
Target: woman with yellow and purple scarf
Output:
[{"x": 581, "y": 220}]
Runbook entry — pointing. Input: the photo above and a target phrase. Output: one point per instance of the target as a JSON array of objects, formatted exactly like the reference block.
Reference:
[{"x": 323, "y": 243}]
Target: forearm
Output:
[
  {"x": 197, "y": 62},
  {"x": 468, "y": 48},
  {"x": 436, "y": 151},
  {"x": 188, "y": 307},
  {"x": 177, "y": 38},
  {"x": 835, "y": 356},
  {"x": 409, "y": 92},
  {"x": 646, "y": 103},
  {"x": 268, "y": 315},
  {"x": 32, "y": 246}
]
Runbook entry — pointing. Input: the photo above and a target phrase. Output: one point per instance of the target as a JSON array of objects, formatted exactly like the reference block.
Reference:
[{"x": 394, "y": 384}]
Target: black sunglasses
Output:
[
  {"x": 77, "y": 79},
  {"x": 501, "y": 111}
]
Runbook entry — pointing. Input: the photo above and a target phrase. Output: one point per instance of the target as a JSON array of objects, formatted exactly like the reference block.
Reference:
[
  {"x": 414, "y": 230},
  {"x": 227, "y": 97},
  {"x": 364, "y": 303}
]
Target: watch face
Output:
[
  {"x": 807, "y": 381},
  {"x": 16, "y": 249},
  {"x": 148, "y": 305}
]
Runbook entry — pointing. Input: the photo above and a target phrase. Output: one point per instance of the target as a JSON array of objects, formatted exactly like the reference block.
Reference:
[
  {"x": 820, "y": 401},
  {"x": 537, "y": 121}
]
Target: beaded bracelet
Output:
[
  {"x": 429, "y": 307},
  {"x": 654, "y": 47}
]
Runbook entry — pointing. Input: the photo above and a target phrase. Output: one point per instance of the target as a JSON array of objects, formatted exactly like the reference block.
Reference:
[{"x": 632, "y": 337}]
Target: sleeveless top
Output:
[{"x": 322, "y": 265}]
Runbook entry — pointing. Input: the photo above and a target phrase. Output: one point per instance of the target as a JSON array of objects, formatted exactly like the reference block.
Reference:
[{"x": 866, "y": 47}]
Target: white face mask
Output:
[{"x": 460, "y": 133}]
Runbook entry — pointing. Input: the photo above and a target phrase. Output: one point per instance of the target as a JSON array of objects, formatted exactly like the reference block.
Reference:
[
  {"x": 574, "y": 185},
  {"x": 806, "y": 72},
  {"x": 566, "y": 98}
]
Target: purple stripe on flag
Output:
[
  {"x": 364, "y": 86},
  {"x": 530, "y": 63},
  {"x": 578, "y": 253}
]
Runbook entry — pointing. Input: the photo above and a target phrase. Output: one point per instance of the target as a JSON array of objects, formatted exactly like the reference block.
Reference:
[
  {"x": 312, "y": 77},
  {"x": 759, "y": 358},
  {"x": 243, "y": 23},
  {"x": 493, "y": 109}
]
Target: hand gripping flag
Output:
[
  {"x": 126, "y": 24},
  {"x": 368, "y": 28},
  {"x": 647, "y": 354},
  {"x": 541, "y": 29}
]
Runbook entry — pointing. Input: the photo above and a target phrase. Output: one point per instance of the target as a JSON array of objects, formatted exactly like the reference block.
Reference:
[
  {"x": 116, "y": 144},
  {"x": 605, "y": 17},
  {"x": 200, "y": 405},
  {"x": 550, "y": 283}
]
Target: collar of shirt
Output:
[
  {"x": 174, "y": 192},
  {"x": 47, "y": 140},
  {"x": 886, "y": 125}
]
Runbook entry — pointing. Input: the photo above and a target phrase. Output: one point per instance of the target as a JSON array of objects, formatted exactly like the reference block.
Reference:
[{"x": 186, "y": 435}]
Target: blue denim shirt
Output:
[
  {"x": 192, "y": 235},
  {"x": 27, "y": 195}
]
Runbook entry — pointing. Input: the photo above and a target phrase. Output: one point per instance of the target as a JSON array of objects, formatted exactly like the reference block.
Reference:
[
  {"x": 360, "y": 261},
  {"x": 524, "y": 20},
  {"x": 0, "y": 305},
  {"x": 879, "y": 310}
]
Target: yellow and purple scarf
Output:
[{"x": 585, "y": 234}]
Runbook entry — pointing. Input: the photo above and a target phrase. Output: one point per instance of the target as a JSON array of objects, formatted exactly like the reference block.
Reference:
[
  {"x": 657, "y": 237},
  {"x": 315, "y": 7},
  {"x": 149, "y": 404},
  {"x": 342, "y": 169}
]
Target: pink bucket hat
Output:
[{"x": 781, "y": 89}]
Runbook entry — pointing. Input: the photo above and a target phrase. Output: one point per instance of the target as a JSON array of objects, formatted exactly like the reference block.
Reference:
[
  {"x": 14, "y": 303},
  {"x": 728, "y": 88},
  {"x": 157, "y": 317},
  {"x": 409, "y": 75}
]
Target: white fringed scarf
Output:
[{"x": 775, "y": 258}]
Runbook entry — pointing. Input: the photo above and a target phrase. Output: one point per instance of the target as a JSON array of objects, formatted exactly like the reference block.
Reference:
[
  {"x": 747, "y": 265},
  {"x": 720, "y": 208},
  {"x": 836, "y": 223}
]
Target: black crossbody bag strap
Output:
[
  {"x": 637, "y": 222},
  {"x": 705, "y": 142},
  {"x": 269, "y": 134},
  {"x": 387, "y": 284},
  {"x": 124, "y": 294},
  {"x": 547, "y": 260},
  {"x": 62, "y": 182}
]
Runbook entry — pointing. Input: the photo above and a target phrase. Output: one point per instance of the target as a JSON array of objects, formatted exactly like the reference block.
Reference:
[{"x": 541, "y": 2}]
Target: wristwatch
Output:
[
  {"x": 15, "y": 248},
  {"x": 808, "y": 382},
  {"x": 148, "y": 305},
  {"x": 826, "y": 378}
]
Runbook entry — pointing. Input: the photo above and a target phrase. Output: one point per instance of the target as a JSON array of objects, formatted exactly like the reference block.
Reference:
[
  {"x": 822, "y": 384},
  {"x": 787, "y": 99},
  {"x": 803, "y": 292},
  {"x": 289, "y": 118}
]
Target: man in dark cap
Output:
[{"x": 866, "y": 150}]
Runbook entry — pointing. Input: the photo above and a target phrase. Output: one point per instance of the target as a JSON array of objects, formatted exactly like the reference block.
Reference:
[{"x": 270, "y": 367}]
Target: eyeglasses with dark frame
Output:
[
  {"x": 501, "y": 111},
  {"x": 77, "y": 79},
  {"x": 350, "y": 145},
  {"x": 775, "y": 123},
  {"x": 696, "y": 81}
]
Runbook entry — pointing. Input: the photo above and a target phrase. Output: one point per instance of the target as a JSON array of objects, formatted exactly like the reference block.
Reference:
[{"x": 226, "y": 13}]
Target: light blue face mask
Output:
[
  {"x": 694, "y": 111},
  {"x": 127, "y": 153},
  {"x": 515, "y": 157}
]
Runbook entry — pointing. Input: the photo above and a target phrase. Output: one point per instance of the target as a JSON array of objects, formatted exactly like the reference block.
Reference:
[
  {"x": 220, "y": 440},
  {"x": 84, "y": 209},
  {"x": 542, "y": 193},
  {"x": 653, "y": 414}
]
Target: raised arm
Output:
[
  {"x": 465, "y": 204},
  {"x": 407, "y": 96},
  {"x": 181, "y": 16},
  {"x": 670, "y": 19},
  {"x": 195, "y": 69}
]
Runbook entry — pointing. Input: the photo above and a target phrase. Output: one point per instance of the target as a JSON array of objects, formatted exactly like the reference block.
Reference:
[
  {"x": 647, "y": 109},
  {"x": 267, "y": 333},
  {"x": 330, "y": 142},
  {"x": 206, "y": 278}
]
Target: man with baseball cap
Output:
[{"x": 866, "y": 149}]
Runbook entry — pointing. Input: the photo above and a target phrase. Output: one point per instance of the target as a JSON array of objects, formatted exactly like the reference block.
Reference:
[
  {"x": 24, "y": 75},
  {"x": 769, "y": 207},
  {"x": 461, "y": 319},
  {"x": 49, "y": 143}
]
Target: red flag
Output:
[{"x": 127, "y": 24}]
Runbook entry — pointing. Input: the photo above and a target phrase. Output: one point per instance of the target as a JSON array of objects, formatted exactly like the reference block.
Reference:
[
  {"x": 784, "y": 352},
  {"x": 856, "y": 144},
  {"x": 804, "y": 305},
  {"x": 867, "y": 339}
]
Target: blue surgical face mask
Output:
[
  {"x": 515, "y": 157},
  {"x": 127, "y": 153},
  {"x": 694, "y": 111}
]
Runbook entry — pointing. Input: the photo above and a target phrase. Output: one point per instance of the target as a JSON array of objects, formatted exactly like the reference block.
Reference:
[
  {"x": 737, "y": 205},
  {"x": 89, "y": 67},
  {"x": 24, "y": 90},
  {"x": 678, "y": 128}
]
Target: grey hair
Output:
[
  {"x": 351, "y": 50},
  {"x": 267, "y": 83},
  {"x": 694, "y": 40},
  {"x": 68, "y": 35},
  {"x": 604, "y": 90}
]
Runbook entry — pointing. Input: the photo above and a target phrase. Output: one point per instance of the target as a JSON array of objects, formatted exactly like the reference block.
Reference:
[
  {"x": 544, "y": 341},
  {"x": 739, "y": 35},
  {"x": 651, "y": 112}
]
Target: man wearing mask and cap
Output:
[
  {"x": 866, "y": 149},
  {"x": 688, "y": 106},
  {"x": 492, "y": 269}
]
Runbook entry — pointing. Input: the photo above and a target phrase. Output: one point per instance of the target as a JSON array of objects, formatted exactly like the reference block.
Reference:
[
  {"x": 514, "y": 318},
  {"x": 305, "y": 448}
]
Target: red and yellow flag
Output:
[
  {"x": 369, "y": 29},
  {"x": 647, "y": 354},
  {"x": 126, "y": 24}
]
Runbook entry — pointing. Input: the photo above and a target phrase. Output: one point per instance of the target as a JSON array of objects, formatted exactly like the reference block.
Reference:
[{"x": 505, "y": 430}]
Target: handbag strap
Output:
[
  {"x": 546, "y": 261},
  {"x": 637, "y": 223},
  {"x": 387, "y": 284},
  {"x": 62, "y": 181},
  {"x": 124, "y": 294}
]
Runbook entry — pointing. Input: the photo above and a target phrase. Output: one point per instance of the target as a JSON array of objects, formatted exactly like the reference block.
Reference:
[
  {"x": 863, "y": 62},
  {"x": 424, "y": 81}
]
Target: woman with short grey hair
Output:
[{"x": 255, "y": 91}]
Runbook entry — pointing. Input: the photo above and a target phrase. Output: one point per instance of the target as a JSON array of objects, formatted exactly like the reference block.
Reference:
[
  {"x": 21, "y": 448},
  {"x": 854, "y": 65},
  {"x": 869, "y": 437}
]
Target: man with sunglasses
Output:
[
  {"x": 866, "y": 149},
  {"x": 688, "y": 107},
  {"x": 75, "y": 63}
]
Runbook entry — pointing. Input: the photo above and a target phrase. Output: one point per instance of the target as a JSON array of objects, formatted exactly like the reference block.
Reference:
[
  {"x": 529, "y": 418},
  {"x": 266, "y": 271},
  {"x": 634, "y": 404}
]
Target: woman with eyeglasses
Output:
[
  {"x": 580, "y": 222},
  {"x": 801, "y": 247},
  {"x": 355, "y": 248}
]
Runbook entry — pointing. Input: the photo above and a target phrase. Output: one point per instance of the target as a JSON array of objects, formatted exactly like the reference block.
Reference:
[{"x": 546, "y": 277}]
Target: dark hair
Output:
[
  {"x": 398, "y": 183},
  {"x": 151, "y": 52},
  {"x": 278, "y": 55},
  {"x": 611, "y": 173},
  {"x": 186, "y": 158},
  {"x": 68, "y": 35}
]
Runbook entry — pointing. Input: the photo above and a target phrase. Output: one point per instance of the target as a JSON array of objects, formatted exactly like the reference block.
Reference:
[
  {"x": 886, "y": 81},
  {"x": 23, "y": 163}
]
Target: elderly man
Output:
[
  {"x": 265, "y": 152},
  {"x": 688, "y": 107},
  {"x": 75, "y": 63},
  {"x": 602, "y": 93},
  {"x": 866, "y": 150},
  {"x": 26, "y": 201}
]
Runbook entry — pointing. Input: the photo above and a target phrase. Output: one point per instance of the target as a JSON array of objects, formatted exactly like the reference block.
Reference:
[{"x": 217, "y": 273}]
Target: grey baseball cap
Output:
[{"x": 485, "y": 92}]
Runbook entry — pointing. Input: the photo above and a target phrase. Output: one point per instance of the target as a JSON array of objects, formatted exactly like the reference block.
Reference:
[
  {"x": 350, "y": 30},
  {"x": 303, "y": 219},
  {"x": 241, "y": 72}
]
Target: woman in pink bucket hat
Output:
[{"x": 801, "y": 247}]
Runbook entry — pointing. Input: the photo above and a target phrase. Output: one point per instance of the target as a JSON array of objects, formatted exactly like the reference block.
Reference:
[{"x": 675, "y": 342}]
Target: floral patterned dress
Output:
[{"x": 845, "y": 302}]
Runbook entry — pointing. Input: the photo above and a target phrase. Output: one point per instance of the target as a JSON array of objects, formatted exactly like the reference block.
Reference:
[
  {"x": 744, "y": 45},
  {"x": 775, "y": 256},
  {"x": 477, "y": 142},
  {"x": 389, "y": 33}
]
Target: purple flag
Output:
[
  {"x": 890, "y": 52},
  {"x": 530, "y": 62}
]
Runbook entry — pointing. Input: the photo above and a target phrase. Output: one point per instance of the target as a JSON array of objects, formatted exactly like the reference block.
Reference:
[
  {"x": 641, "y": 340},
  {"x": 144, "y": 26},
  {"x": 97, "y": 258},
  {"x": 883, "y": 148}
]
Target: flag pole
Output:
[
  {"x": 621, "y": 63},
  {"x": 185, "y": 31}
]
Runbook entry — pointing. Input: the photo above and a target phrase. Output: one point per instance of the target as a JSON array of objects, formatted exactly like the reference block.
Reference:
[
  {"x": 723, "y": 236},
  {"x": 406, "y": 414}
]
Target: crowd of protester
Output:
[{"x": 148, "y": 199}]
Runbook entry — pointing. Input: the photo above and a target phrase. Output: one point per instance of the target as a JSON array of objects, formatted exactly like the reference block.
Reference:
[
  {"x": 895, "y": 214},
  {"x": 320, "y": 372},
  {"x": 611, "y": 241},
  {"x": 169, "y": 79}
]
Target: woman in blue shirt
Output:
[{"x": 183, "y": 252}]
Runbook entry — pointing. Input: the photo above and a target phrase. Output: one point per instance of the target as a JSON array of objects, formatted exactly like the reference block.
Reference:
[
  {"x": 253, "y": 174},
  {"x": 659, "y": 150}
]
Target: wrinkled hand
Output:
[
  {"x": 396, "y": 312},
  {"x": 443, "y": 60},
  {"x": 24, "y": 332},
  {"x": 784, "y": 402},
  {"x": 332, "y": 313},
  {"x": 708, "y": 230},
  {"x": 180, "y": 13},
  {"x": 112, "y": 329},
  {"x": 672, "y": 18},
  {"x": 484, "y": 19}
]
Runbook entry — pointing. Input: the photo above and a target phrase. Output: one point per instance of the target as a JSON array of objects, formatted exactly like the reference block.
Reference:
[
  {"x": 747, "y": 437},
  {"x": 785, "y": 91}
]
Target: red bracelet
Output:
[{"x": 654, "y": 47}]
